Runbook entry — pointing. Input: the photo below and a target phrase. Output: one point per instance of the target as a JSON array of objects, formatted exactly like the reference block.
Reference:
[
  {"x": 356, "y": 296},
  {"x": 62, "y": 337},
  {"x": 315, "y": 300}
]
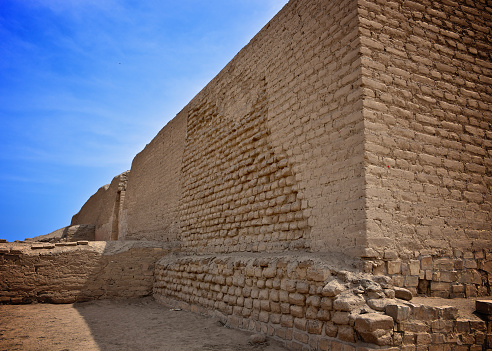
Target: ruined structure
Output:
[{"x": 341, "y": 160}]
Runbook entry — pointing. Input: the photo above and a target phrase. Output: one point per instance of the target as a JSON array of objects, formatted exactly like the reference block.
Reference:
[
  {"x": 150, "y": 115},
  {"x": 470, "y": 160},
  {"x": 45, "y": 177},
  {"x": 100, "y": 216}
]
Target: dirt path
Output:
[{"x": 140, "y": 324}]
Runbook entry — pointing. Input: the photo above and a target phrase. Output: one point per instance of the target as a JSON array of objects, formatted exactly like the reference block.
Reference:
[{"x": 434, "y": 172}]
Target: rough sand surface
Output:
[{"x": 139, "y": 324}]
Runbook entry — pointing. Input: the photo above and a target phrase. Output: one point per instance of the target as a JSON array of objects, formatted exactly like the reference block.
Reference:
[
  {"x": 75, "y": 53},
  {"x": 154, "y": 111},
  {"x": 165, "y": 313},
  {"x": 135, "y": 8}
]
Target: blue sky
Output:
[{"x": 85, "y": 84}]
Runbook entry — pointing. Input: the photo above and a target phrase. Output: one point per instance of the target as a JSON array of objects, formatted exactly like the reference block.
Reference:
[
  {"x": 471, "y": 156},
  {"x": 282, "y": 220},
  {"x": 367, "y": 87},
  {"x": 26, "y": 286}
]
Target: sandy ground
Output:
[{"x": 140, "y": 324}]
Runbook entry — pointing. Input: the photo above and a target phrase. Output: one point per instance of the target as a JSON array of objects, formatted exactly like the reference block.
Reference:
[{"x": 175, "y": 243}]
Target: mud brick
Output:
[{"x": 423, "y": 338}]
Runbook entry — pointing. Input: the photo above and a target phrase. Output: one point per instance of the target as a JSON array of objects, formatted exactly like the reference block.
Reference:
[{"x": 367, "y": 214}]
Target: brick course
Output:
[{"x": 427, "y": 111}]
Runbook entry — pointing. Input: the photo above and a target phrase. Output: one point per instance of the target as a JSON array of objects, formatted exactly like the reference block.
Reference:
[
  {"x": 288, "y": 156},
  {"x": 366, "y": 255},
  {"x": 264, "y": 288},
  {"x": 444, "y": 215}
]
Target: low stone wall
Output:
[
  {"x": 312, "y": 302},
  {"x": 77, "y": 271},
  {"x": 452, "y": 275}
]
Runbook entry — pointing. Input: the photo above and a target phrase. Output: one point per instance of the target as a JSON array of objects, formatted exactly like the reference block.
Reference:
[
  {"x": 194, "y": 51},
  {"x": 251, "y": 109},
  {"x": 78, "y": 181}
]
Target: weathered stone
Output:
[
  {"x": 333, "y": 288},
  {"x": 346, "y": 333},
  {"x": 398, "y": 312},
  {"x": 484, "y": 306},
  {"x": 257, "y": 339},
  {"x": 348, "y": 302},
  {"x": 375, "y": 328},
  {"x": 402, "y": 293},
  {"x": 42, "y": 246}
]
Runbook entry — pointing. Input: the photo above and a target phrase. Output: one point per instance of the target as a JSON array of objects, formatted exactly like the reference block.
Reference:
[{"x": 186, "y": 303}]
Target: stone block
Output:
[
  {"x": 346, "y": 333},
  {"x": 317, "y": 274},
  {"x": 442, "y": 326},
  {"x": 423, "y": 338},
  {"x": 314, "y": 327},
  {"x": 313, "y": 300},
  {"x": 413, "y": 327},
  {"x": 348, "y": 302},
  {"x": 411, "y": 281},
  {"x": 340, "y": 318},
  {"x": 302, "y": 287},
  {"x": 333, "y": 288},
  {"x": 326, "y": 304},
  {"x": 402, "y": 293},
  {"x": 478, "y": 325},
  {"x": 379, "y": 304},
  {"x": 325, "y": 345},
  {"x": 375, "y": 328},
  {"x": 394, "y": 267},
  {"x": 484, "y": 306},
  {"x": 297, "y": 311},
  {"x": 398, "y": 312},
  {"x": 300, "y": 323},
  {"x": 297, "y": 299},
  {"x": 414, "y": 267},
  {"x": 448, "y": 312},
  {"x": 331, "y": 329},
  {"x": 426, "y": 263},
  {"x": 323, "y": 315}
]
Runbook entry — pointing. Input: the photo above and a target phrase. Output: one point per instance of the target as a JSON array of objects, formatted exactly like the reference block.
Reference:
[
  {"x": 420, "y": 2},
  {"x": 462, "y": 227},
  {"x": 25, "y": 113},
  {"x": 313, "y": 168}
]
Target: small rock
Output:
[
  {"x": 333, "y": 288},
  {"x": 382, "y": 280},
  {"x": 402, "y": 293},
  {"x": 379, "y": 304},
  {"x": 370, "y": 285},
  {"x": 257, "y": 339},
  {"x": 390, "y": 293}
]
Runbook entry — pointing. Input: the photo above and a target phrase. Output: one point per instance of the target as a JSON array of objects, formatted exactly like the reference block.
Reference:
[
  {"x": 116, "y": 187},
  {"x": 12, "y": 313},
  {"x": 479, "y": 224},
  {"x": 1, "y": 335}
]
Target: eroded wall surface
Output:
[
  {"x": 314, "y": 303},
  {"x": 427, "y": 77},
  {"x": 65, "y": 273},
  {"x": 103, "y": 209},
  {"x": 273, "y": 152},
  {"x": 151, "y": 207}
]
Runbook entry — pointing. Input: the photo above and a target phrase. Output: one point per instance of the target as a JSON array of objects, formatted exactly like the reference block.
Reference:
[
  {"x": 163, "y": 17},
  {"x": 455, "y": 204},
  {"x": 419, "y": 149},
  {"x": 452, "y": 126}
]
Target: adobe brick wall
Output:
[
  {"x": 150, "y": 210},
  {"x": 354, "y": 126},
  {"x": 103, "y": 209},
  {"x": 274, "y": 142},
  {"x": 427, "y": 76},
  {"x": 67, "y": 272},
  {"x": 348, "y": 127}
]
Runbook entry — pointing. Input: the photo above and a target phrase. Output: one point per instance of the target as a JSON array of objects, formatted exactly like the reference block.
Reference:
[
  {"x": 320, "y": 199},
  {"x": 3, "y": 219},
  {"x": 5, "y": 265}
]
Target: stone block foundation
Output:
[
  {"x": 453, "y": 275},
  {"x": 304, "y": 301}
]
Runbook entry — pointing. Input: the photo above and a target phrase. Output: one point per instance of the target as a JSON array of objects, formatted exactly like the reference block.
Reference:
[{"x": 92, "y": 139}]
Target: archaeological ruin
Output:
[{"x": 337, "y": 168}]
